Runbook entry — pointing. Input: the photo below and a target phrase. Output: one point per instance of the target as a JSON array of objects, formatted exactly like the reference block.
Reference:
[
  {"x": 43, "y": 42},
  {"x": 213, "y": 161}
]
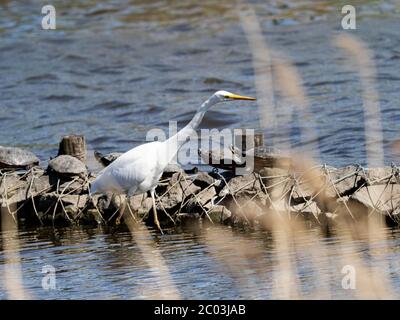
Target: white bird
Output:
[{"x": 139, "y": 169}]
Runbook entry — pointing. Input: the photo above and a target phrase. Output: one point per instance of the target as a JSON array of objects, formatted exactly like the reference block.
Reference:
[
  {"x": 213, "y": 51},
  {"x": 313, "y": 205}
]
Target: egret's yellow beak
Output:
[{"x": 238, "y": 97}]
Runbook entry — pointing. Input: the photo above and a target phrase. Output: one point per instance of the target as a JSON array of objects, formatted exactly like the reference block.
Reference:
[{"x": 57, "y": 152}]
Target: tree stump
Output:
[
  {"x": 241, "y": 141},
  {"x": 74, "y": 146}
]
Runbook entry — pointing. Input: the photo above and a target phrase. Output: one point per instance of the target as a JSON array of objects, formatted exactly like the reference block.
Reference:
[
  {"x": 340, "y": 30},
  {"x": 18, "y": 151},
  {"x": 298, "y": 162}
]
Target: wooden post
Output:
[
  {"x": 74, "y": 146},
  {"x": 258, "y": 141}
]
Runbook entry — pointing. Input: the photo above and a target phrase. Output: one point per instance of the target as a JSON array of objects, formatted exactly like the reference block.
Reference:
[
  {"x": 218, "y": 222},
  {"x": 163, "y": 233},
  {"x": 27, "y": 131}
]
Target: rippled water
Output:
[
  {"x": 98, "y": 263},
  {"x": 115, "y": 69}
]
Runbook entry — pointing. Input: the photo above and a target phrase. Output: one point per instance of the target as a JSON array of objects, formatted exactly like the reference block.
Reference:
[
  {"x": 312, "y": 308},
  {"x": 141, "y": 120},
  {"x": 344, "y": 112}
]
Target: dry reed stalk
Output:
[
  {"x": 153, "y": 258},
  {"x": 286, "y": 284},
  {"x": 262, "y": 64},
  {"x": 374, "y": 283},
  {"x": 12, "y": 265},
  {"x": 289, "y": 83},
  {"x": 371, "y": 283},
  {"x": 368, "y": 231},
  {"x": 320, "y": 262},
  {"x": 362, "y": 58},
  {"x": 238, "y": 256},
  {"x": 285, "y": 281}
]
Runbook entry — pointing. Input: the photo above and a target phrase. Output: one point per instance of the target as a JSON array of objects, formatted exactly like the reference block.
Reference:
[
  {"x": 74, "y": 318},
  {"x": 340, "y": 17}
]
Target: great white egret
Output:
[{"x": 139, "y": 169}]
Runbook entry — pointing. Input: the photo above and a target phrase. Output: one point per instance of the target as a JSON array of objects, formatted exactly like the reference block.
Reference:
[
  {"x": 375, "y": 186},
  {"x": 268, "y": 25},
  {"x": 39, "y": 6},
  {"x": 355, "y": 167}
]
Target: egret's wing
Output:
[
  {"x": 136, "y": 165},
  {"x": 129, "y": 170},
  {"x": 101, "y": 172},
  {"x": 130, "y": 175},
  {"x": 120, "y": 178}
]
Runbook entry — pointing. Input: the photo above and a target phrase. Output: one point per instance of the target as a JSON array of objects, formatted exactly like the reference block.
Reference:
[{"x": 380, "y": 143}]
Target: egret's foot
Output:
[{"x": 120, "y": 215}]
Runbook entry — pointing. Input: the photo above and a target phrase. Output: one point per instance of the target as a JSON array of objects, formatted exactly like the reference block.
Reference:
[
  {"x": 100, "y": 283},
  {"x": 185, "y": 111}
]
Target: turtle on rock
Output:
[
  {"x": 106, "y": 159},
  {"x": 226, "y": 159},
  {"x": 12, "y": 158},
  {"x": 67, "y": 166}
]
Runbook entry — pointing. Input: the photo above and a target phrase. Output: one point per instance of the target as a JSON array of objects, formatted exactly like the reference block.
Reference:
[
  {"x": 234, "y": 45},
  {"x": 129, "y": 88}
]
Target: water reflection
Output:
[{"x": 202, "y": 262}]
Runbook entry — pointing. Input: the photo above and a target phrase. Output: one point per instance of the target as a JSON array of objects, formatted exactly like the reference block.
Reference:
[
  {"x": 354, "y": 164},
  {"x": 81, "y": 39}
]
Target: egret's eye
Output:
[{"x": 226, "y": 97}]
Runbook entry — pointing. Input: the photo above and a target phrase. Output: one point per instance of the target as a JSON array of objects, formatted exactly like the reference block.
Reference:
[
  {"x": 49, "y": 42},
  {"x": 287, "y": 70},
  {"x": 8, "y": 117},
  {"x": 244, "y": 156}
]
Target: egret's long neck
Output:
[
  {"x": 198, "y": 117},
  {"x": 174, "y": 143}
]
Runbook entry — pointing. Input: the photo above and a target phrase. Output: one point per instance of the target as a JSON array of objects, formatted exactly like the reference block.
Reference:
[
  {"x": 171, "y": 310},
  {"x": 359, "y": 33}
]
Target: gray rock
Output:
[
  {"x": 31, "y": 185},
  {"x": 381, "y": 198},
  {"x": 38, "y": 184},
  {"x": 10, "y": 182},
  {"x": 180, "y": 187},
  {"x": 264, "y": 158},
  {"x": 337, "y": 183},
  {"x": 248, "y": 184},
  {"x": 16, "y": 158},
  {"x": 171, "y": 169},
  {"x": 20, "y": 190},
  {"x": 277, "y": 181},
  {"x": 73, "y": 187},
  {"x": 67, "y": 166},
  {"x": 16, "y": 197},
  {"x": 70, "y": 204},
  {"x": 76, "y": 200},
  {"x": 45, "y": 201},
  {"x": 73, "y": 204},
  {"x": 218, "y": 213},
  {"x": 244, "y": 209},
  {"x": 141, "y": 203},
  {"x": 251, "y": 211},
  {"x": 202, "y": 198},
  {"x": 345, "y": 181},
  {"x": 308, "y": 208},
  {"x": 303, "y": 192},
  {"x": 226, "y": 159},
  {"x": 203, "y": 180},
  {"x": 380, "y": 175},
  {"x": 14, "y": 190}
]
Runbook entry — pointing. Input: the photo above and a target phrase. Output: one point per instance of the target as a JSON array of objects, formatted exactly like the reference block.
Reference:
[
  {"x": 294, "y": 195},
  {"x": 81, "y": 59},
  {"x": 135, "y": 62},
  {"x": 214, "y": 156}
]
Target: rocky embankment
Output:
[{"x": 59, "y": 194}]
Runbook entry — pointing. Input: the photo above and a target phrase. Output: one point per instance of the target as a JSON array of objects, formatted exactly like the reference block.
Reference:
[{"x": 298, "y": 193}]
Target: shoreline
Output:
[{"x": 58, "y": 195}]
